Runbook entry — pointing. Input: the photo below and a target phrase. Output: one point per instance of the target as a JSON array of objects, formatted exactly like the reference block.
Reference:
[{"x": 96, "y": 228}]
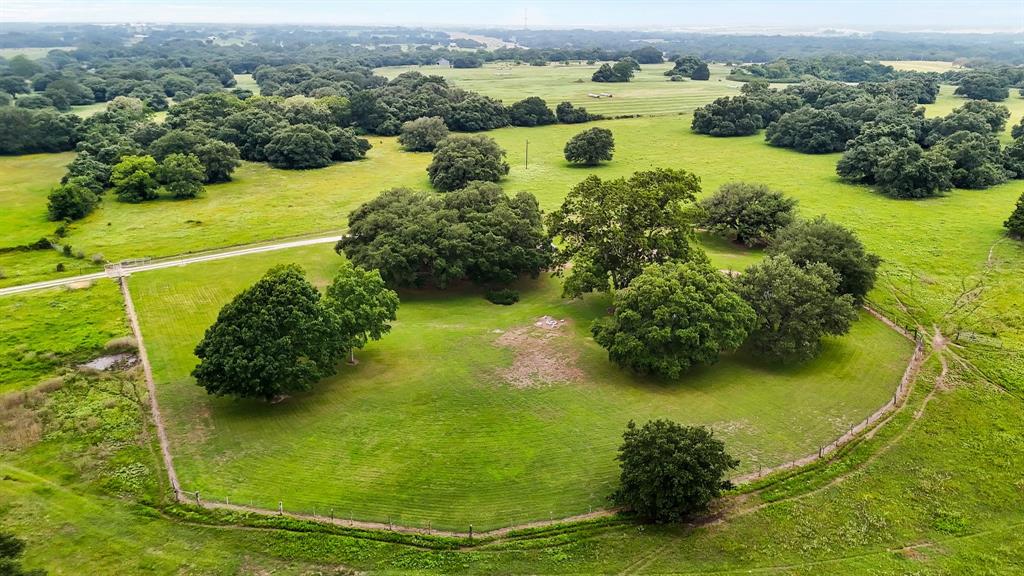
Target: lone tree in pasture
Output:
[
  {"x": 182, "y": 175},
  {"x": 1015, "y": 223},
  {"x": 819, "y": 240},
  {"x": 610, "y": 229},
  {"x": 459, "y": 160},
  {"x": 363, "y": 304},
  {"x": 669, "y": 471},
  {"x": 423, "y": 134},
  {"x": 795, "y": 307},
  {"x": 134, "y": 179},
  {"x": 299, "y": 147},
  {"x": 274, "y": 338},
  {"x": 674, "y": 316},
  {"x": 590, "y": 147},
  {"x": 749, "y": 213},
  {"x": 71, "y": 200}
]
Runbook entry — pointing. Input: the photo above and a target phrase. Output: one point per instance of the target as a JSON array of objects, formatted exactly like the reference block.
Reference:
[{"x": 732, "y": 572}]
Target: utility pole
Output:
[{"x": 527, "y": 155}]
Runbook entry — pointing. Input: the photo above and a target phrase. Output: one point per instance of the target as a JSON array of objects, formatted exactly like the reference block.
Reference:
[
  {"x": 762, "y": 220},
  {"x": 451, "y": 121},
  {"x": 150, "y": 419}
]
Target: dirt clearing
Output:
[{"x": 543, "y": 355}]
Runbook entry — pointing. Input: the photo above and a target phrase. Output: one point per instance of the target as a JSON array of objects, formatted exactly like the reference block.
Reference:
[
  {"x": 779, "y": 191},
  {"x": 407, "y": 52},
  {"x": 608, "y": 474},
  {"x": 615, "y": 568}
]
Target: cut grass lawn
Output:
[
  {"x": 921, "y": 65},
  {"x": 46, "y": 330},
  {"x": 649, "y": 93},
  {"x": 428, "y": 429}
]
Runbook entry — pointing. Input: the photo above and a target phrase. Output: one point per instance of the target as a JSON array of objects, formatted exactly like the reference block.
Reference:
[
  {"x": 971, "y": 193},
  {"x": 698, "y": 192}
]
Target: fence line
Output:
[{"x": 195, "y": 497}]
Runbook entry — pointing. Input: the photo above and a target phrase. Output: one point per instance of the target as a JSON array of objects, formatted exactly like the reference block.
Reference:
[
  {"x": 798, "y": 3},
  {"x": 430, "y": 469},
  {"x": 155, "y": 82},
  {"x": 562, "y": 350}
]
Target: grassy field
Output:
[
  {"x": 23, "y": 189},
  {"x": 921, "y": 65},
  {"x": 435, "y": 424},
  {"x": 33, "y": 53},
  {"x": 937, "y": 491},
  {"x": 245, "y": 81},
  {"x": 47, "y": 330},
  {"x": 649, "y": 93},
  {"x": 263, "y": 203}
]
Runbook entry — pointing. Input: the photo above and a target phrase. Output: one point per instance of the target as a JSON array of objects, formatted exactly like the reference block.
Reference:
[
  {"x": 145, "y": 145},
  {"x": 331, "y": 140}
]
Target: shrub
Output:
[
  {"x": 71, "y": 201},
  {"x": 569, "y": 114},
  {"x": 504, "y": 296}
]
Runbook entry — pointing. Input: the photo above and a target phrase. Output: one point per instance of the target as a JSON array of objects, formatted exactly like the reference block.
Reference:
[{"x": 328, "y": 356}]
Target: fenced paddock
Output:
[{"x": 425, "y": 433}]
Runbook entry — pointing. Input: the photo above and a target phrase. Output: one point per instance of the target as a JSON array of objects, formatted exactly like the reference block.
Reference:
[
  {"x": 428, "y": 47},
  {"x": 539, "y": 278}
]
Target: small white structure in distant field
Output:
[{"x": 444, "y": 63}]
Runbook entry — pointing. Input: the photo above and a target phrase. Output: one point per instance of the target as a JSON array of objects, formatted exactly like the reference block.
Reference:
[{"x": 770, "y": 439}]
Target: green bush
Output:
[{"x": 504, "y": 297}]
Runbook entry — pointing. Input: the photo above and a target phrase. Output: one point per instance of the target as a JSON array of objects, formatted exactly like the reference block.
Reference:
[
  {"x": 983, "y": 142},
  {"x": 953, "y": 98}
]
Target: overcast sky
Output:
[{"x": 791, "y": 15}]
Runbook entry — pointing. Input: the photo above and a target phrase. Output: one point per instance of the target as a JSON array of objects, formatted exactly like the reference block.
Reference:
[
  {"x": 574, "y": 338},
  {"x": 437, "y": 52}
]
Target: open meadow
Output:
[
  {"x": 469, "y": 413},
  {"x": 649, "y": 93}
]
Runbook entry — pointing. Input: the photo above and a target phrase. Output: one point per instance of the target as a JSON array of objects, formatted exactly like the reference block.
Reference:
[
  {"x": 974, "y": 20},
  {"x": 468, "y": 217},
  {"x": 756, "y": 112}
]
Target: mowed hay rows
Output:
[
  {"x": 427, "y": 427},
  {"x": 650, "y": 93}
]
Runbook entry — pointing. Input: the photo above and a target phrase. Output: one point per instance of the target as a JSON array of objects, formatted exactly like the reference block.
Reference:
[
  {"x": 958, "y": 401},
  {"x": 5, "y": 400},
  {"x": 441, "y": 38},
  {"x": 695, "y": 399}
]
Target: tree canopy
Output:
[
  {"x": 532, "y": 111},
  {"x": 476, "y": 233},
  {"x": 182, "y": 175},
  {"x": 674, "y": 316},
  {"x": 276, "y": 337},
  {"x": 590, "y": 147},
  {"x": 134, "y": 179},
  {"x": 749, "y": 213},
  {"x": 363, "y": 305},
  {"x": 983, "y": 86},
  {"x": 1015, "y": 223},
  {"x": 299, "y": 147},
  {"x": 795, "y": 306},
  {"x": 459, "y": 160},
  {"x": 569, "y": 114},
  {"x": 669, "y": 471},
  {"x": 610, "y": 229},
  {"x": 71, "y": 200},
  {"x": 820, "y": 240},
  {"x": 423, "y": 134}
]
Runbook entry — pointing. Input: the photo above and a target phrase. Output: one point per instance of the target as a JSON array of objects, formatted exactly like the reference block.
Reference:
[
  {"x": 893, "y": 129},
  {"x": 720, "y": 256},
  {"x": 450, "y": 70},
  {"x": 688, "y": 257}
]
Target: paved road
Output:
[{"x": 116, "y": 270}]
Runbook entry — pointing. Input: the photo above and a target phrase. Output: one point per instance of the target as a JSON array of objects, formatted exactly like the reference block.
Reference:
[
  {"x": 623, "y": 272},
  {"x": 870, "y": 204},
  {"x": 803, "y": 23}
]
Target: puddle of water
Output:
[{"x": 125, "y": 359}]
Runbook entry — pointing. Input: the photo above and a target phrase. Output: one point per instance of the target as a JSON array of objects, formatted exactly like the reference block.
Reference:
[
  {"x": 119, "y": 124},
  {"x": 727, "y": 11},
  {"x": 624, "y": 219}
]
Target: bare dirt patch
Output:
[
  {"x": 542, "y": 354},
  {"x": 80, "y": 285}
]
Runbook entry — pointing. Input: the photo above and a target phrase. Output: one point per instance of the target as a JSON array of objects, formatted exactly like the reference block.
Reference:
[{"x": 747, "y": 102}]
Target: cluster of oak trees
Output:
[
  {"x": 886, "y": 140},
  {"x": 631, "y": 237},
  {"x": 672, "y": 309}
]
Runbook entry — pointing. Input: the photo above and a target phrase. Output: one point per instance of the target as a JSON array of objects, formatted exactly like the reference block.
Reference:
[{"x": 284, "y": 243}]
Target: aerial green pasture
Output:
[
  {"x": 45, "y": 331},
  {"x": 921, "y": 65},
  {"x": 467, "y": 413},
  {"x": 649, "y": 93},
  {"x": 936, "y": 491}
]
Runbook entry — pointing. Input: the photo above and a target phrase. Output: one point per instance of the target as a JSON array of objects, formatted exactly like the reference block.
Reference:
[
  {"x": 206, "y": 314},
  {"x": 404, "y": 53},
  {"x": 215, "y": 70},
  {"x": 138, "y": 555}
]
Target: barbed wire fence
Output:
[{"x": 336, "y": 514}]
